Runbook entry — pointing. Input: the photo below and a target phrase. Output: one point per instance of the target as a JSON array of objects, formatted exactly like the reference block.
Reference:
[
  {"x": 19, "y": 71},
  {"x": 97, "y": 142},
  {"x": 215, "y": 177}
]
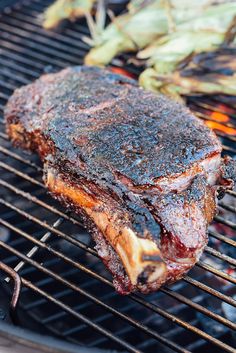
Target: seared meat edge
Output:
[{"x": 148, "y": 230}]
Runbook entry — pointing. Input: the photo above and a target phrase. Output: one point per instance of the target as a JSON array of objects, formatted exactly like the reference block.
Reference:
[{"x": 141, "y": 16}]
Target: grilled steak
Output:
[{"x": 141, "y": 170}]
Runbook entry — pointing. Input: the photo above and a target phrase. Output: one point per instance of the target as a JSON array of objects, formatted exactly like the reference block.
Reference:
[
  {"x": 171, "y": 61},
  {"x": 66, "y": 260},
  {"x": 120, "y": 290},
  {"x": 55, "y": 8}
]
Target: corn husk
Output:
[
  {"x": 202, "y": 34},
  {"x": 172, "y": 50},
  {"x": 144, "y": 22},
  {"x": 65, "y": 9},
  {"x": 171, "y": 33},
  {"x": 207, "y": 73}
]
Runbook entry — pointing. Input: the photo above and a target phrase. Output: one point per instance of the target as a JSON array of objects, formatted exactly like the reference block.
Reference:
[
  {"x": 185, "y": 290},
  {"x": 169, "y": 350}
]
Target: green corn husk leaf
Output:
[
  {"x": 205, "y": 33},
  {"x": 65, "y": 9},
  {"x": 173, "y": 49},
  {"x": 207, "y": 73},
  {"x": 141, "y": 25}
]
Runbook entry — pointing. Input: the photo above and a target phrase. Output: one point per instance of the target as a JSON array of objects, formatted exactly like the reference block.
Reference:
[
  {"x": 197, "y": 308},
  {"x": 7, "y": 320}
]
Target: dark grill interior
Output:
[{"x": 66, "y": 291}]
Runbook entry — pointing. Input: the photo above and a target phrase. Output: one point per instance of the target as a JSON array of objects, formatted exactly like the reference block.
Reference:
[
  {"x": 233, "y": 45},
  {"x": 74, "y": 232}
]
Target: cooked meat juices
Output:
[{"x": 141, "y": 170}]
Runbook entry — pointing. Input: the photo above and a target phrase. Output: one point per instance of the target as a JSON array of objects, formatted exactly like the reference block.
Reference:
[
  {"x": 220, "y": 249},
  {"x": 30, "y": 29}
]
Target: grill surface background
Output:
[{"x": 66, "y": 290}]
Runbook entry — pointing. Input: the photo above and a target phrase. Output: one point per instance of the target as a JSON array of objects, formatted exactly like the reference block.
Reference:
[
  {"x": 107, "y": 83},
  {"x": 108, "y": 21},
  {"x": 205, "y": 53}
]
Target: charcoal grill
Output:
[{"x": 55, "y": 295}]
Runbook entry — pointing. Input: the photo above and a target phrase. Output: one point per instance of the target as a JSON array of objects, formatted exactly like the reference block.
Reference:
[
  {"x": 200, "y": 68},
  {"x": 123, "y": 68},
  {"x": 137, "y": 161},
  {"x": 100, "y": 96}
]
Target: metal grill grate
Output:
[{"x": 66, "y": 290}]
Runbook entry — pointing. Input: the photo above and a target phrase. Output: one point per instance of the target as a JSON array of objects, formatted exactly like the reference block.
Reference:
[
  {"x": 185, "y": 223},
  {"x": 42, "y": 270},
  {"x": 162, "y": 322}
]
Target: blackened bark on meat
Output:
[
  {"x": 141, "y": 170},
  {"x": 228, "y": 176}
]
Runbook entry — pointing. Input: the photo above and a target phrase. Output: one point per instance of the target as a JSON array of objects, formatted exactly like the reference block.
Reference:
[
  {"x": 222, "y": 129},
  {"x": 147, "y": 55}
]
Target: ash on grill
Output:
[{"x": 66, "y": 291}]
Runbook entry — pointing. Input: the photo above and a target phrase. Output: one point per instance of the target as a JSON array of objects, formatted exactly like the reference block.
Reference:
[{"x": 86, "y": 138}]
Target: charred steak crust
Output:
[
  {"x": 122, "y": 129},
  {"x": 143, "y": 171}
]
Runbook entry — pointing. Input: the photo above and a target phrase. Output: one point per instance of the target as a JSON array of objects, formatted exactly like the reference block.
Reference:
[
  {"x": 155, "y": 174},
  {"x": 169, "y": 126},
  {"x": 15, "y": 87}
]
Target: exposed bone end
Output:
[{"x": 141, "y": 258}]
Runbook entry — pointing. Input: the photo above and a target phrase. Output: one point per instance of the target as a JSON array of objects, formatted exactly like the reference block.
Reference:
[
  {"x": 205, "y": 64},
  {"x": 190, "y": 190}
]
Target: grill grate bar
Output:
[
  {"x": 31, "y": 17},
  {"x": 49, "y": 228},
  {"x": 204, "y": 117},
  {"x": 11, "y": 45},
  {"x": 20, "y": 69},
  {"x": 35, "y": 249},
  {"x": 221, "y": 256},
  {"x": 169, "y": 333},
  {"x": 38, "y": 202},
  {"x": 216, "y": 272},
  {"x": 182, "y": 323},
  {"x": 125, "y": 330},
  {"x": 232, "y": 242},
  {"x": 227, "y": 207},
  {"x": 140, "y": 300},
  {"x": 51, "y": 262},
  {"x": 7, "y": 85},
  {"x": 225, "y": 222},
  {"x": 43, "y": 300},
  {"x": 225, "y": 136},
  {"x": 200, "y": 308},
  {"x": 40, "y": 244},
  {"x": 9, "y": 74},
  {"x": 17, "y": 157},
  {"x": 20, "y": 174},
  {"x": 134, "y": 297},
  {"x": 209, "y": 290},
  {"x": 146, "y": 342},
  {"x": 228, "y": 148},
  {"x": 151, "y": 341},
  {"x": 29, "y": 43},
  {"x": 93, "y": 252},
  {"x": 231, "y": 192},
  {"x": 81, "y": 317},
  {"x": 89, "y": 296},
  {"x": 223, "y": 238},
  {"x": 23, "y": 21},
  {"x": 79, "y": 328},
  {"x": 4, "y": 96},
  {"x": 62, "y": 314},
  {"x": 48, "y": 280},
  {"x": 14, "y": 28},
  {"x": 102, "y": 318},
  {"x": 214, "y": 108},
  {"x": 20, "y": 59},
  {"x": 120, "y": 332}
]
